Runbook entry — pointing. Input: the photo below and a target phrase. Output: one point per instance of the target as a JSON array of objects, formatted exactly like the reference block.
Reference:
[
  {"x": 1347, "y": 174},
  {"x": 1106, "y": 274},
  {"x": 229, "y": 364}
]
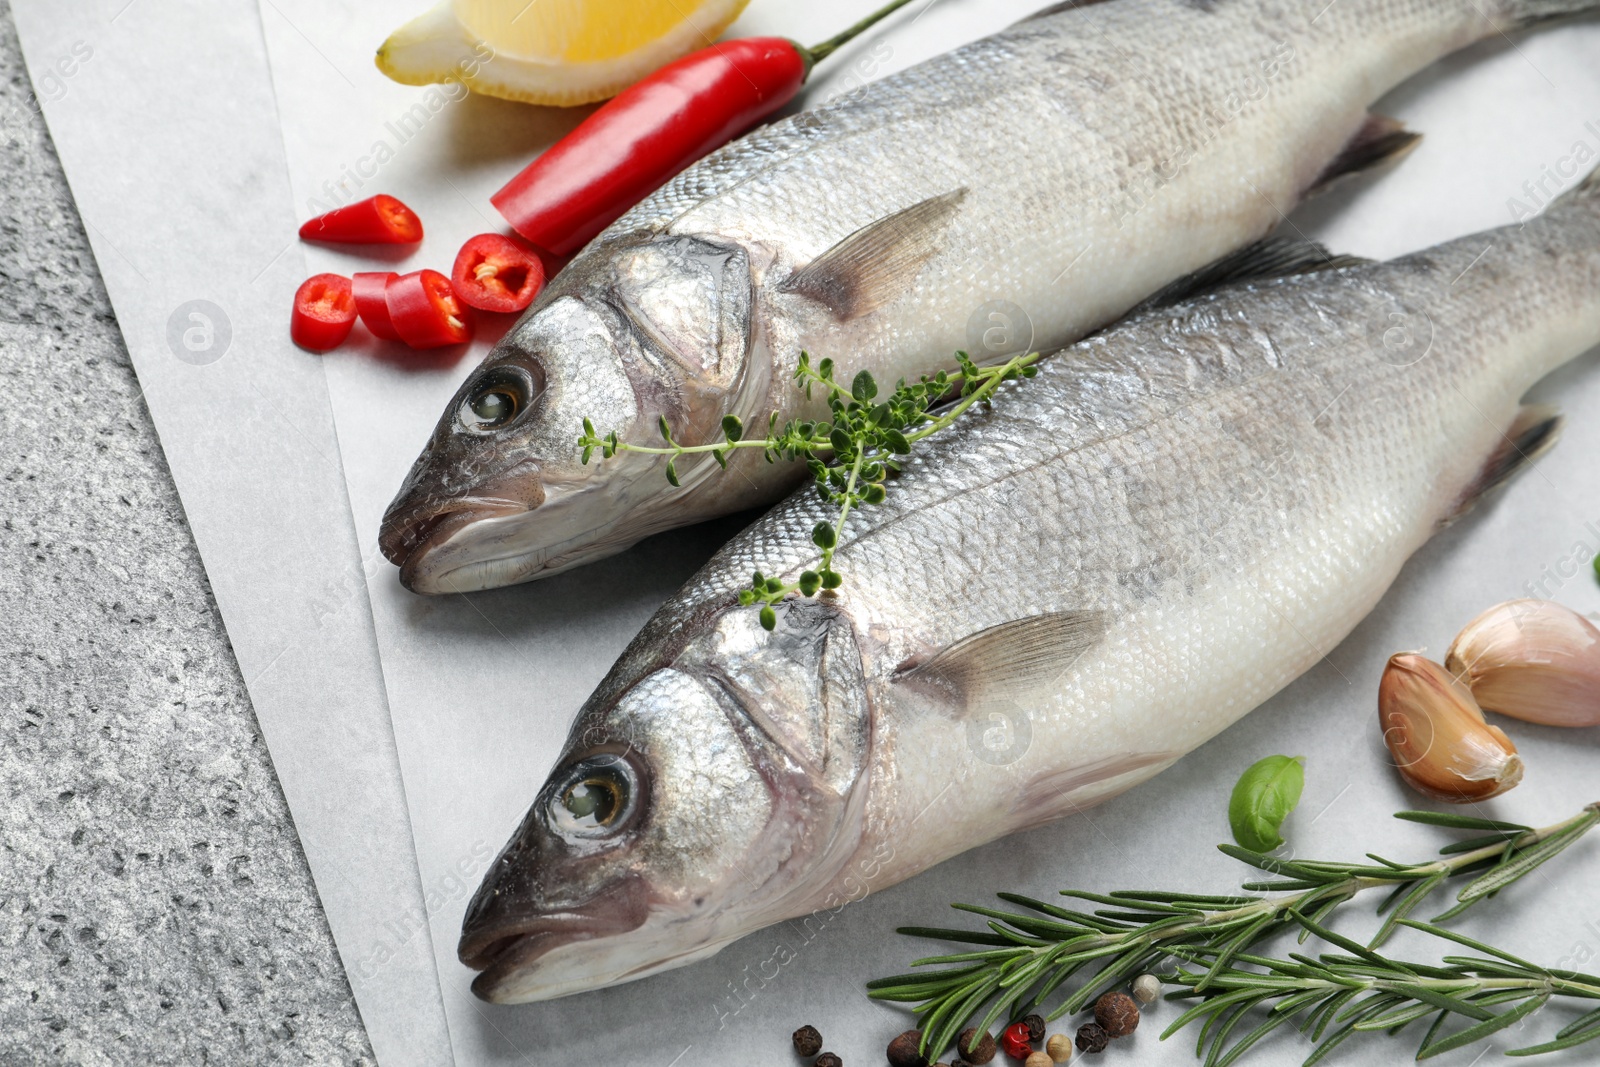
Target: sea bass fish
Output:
[
  {"x": 1014, "y": 194},
  {"x": 1066, "y": 594}
]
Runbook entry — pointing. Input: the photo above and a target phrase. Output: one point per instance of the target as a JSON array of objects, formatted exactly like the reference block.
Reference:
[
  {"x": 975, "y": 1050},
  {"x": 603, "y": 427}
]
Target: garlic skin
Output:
[
  {"x": 1436, "y": 732},
  {"x": 1532, "y": 660}
]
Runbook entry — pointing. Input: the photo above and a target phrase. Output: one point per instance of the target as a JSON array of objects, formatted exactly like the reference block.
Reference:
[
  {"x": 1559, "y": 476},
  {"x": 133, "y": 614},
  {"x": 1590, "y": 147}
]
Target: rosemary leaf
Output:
[
  {"x": 1489, "y": 1026},
  {"x": 1058, "y": 960}
]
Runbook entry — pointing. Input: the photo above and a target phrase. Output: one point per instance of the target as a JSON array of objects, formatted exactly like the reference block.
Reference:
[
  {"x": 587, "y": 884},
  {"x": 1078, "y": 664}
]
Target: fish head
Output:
[
  {"x": 700, "y": 797},
  {"x": 632, "y": 332}
]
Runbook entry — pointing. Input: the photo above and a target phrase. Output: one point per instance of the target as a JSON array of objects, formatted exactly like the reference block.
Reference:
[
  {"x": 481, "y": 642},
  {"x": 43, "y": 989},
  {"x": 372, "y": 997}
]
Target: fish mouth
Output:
[
  {"x": 508, "y": 948},
  {"x": 407, "y": 539},
  {"x": 467, "y": 546},
  {"x": 483, "y": 551}
]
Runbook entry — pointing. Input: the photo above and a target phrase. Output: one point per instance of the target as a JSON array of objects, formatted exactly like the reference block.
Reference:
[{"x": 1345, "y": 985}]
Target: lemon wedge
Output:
[{"x": 560, "y": 52}]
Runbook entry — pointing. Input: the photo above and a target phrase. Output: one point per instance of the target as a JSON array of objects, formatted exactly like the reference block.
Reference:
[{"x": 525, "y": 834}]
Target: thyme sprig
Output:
[
  {"x": 1022, "y": 958},
  {"x": 850, "y": 455},
  {"x": 1336, "y": 995}
]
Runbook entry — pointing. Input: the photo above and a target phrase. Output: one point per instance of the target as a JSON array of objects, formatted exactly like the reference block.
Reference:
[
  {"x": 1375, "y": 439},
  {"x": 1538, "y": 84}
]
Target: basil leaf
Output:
[{"x": 1265, "y": 795}]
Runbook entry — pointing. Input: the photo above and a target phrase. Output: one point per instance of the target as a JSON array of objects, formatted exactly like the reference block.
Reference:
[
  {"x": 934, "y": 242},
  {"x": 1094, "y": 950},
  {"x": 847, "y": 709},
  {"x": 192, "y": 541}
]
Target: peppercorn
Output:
[
  {"x": 1035, "y": 1024},
  {"x": 828, "y": 1059},
  {"x": 1117, "y": 1012},
  {"x": 1039, "y": 1059},
  {"x": 906, "y": 1050},
  {"x": 1092, "y": 1038},
  {"x": 807, "y": 1041},
  {"x": 1014, "y": 1040},
  {"x": 1146, "y": 988},
  {"x": 1059, "y": 1047},
  {"x": 974, "y": 1049}
]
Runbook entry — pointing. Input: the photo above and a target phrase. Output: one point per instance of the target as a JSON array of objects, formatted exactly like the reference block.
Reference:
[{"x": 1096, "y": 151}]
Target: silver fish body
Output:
[
  {"x": 1063, "y": 596},
  {"x": 1016, "y": 193}
]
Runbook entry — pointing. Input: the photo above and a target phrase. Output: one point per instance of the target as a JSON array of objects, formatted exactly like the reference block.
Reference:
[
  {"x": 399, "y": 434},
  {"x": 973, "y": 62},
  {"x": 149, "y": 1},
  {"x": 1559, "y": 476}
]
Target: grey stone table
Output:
[{"x": 155, "y": 906}]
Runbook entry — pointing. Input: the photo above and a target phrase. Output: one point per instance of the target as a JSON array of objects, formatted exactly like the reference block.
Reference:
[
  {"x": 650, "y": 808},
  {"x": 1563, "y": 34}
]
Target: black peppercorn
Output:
[
  {"x": 905, "y": 1050},
  {"x": 1118, "y": 1013},
  {"x": 828, "y": 1059},
  {"x": 1035, "y": 1024},
  {"x": 807, "y": 1041},
  {"x": 975, "y": 1049},
  {"x": 1092, "y": 1037}
]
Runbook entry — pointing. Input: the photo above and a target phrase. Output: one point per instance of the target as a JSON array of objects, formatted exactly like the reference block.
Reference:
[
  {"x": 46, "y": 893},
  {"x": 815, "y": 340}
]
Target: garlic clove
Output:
[
  {"x": 1532, "y": 660},
  {"x": 1436, "y": 732}
]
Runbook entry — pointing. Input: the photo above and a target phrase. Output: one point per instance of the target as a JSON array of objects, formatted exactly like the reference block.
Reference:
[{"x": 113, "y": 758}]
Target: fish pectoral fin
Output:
[
  {"x": 1379, "y": 142},
  {"x": 1272, "y": 257},
  {"x": 1534, "y": 431},
  {"x": 1011, "y": 661},
  {"x": 878, "y": 262}
]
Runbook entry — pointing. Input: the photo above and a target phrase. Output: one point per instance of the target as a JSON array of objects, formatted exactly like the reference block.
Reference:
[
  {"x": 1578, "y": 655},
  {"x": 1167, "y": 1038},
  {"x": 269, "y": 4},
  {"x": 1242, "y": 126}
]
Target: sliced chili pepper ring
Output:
[
  {"x": 324, "y": 312},
  {"x": 494, "y": 273},
  {"x": 425, "y": 311},
  {"x": 378, "y": 219},
  {"x": 371, "y": 289}
]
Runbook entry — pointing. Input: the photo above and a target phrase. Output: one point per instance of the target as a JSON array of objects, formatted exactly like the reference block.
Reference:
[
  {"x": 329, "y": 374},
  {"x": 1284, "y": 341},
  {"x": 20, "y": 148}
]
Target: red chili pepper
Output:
[
  {"x": 494, "y": 273},
  {"x": 425, "y": 311},
  {"x": 1014, "y": 1040},
  {"x": 371, "y": 289},
  {"x": 639, "y": 139},
  {"x": 324, "y": 312},
  {"x": 377, "y": 220}
]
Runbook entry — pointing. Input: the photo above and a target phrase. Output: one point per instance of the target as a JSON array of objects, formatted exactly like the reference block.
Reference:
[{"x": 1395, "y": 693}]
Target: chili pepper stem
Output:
[{"x": 818, "y": 52}]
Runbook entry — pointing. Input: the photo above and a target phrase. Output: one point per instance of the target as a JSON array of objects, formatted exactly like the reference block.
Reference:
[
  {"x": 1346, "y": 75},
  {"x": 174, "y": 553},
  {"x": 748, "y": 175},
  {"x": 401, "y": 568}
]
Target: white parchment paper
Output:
[
  {"x": 164, "y": 119},
  {"x": 482, "y": 688}
]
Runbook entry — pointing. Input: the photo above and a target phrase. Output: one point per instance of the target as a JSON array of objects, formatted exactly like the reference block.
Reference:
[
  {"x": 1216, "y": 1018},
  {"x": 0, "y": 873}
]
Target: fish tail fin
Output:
[{"x": 1527, "y": 12}]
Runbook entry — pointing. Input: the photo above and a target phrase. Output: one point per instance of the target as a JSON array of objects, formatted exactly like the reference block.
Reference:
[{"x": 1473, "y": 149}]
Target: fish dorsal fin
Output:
[
  {"x": 1056, "y": 9},
  {"x": 878, "y": 262},
  {"x": 1011, "y": 660},
  {"x": 1534, "y": 431},
  {"x": 1379, "y": 142},
  {"x": 1274, "y": 257}
]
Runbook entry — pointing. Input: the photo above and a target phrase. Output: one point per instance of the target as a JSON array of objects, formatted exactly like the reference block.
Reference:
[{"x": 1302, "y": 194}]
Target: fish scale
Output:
[
  {"x": 1062, "y": 594},
  {"x": 1019, "y": 191}
]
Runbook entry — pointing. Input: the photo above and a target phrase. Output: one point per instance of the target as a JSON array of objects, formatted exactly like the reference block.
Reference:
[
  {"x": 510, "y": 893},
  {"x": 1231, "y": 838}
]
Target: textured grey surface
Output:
[{"x": 154, "y": 904}]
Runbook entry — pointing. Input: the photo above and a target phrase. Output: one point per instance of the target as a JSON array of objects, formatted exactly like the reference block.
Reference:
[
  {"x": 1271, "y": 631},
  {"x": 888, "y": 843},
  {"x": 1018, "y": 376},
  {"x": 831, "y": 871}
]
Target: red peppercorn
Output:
[
  {"x": 1118, "y": 1013},
  {"x": 1014, "y": 1040}
]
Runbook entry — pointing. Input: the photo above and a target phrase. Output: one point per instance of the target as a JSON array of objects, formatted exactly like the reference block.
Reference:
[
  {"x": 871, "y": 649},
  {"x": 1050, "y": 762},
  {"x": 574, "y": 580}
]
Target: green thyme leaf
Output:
[{"x": 850, "y": 455}]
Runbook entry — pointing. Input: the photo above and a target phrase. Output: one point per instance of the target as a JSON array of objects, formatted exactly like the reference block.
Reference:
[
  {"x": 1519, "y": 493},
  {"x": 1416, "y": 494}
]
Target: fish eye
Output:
[
  {"x": 496, "y": 399},
  {"x": 594, "y": 799}
]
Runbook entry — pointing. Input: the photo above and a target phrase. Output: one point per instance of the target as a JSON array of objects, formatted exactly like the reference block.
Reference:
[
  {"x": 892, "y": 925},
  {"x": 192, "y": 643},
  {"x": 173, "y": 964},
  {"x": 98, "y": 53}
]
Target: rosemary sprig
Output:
[
  {"x": 850, "y": 455},
  {"x": 1021, "y": 958},
  {"x": 1336, "y": 995}
]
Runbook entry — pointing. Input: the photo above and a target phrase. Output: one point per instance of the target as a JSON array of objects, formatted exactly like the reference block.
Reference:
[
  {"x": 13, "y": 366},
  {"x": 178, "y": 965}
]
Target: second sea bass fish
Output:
[
  {"x": 1014, "y": 194},
  {"x": 1067, "y": 593}
]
